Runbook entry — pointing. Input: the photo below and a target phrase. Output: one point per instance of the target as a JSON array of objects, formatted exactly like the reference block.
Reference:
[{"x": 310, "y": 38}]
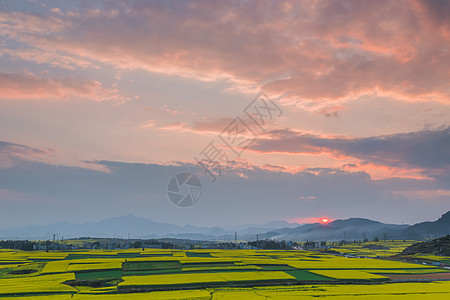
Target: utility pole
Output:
[
  {"x": 257, "y": 239},
  {"x": 235, "y": 236}
]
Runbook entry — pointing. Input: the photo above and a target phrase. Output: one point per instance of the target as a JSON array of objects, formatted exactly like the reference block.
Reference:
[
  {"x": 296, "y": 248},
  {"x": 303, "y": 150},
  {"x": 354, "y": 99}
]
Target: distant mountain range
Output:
[
  {"x": 358, "y": 229},
  {"x": 350, "y": 229},
  {"x": 124, "y": 226},
  {"x": 129, "y": 225}
]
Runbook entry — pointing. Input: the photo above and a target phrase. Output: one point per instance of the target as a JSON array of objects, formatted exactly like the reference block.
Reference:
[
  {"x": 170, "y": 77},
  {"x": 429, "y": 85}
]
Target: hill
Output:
[
  {"x": 350, "y": 229},
  {"x": 440, "y": 246},
  {"x": 427, "y": 230}
]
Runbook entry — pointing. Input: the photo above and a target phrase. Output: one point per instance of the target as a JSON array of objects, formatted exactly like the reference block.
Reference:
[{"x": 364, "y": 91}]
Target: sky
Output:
[{"x": 284, "y": 110}]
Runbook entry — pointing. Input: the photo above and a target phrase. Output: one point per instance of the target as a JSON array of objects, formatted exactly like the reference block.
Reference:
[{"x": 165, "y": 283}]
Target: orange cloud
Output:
[
  {"x": 204, "y": 126},
  {"x": 379, "y": 172}
]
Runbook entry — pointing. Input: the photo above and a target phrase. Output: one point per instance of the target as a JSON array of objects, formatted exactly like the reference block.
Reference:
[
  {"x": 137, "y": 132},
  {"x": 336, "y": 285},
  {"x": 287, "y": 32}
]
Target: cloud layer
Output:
[
  {"x": 363, "y": 88},
  {"x": 312, "y": 50},
  {"x": 248, "y": 193},
  {"x": 29, "y": 86},
  {"x": 429, "y": 149}
]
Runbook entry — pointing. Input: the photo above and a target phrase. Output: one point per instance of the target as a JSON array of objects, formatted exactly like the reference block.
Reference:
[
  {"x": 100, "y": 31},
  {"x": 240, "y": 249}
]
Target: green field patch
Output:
[
  {"x": 207, "y": 264},
  {"x": 88, "y": 256},
  {"x": 303, "y": 275},
  {"x": 156, "y": 254},
  {"x": 83, "y": 291},
  {"x": 44, "y": 259},
  {"x": 150, "y": 265},
  {"x": 198, "y": 254},
  {"x": 276, "y": 267},
  {"x": 95, "y": 266},
  {"x": 350, "y": 275},
  {"x": 151, "y": 272},
  {"x": 232, "y": 268},
  {"x": 95, "y": 283},
  {"x": 22, "y": 272},
  {"x": 99, "y": 275}
]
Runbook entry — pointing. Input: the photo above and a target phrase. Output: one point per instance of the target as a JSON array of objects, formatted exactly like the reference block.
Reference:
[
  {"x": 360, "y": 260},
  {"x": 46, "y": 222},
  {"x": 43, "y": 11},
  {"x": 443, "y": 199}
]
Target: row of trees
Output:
[
  {"x": 107, "y": 244},
  {"x": 19, "y": 245}
]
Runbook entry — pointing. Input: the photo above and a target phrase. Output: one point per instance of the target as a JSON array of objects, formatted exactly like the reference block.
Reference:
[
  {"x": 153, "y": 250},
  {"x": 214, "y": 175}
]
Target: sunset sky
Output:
[{"x": 101, "y": 103}]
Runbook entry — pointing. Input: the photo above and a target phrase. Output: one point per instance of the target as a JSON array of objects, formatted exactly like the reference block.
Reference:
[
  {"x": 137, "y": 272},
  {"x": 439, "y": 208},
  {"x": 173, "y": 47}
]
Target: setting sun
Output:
[{"x": 325, "y": 220}]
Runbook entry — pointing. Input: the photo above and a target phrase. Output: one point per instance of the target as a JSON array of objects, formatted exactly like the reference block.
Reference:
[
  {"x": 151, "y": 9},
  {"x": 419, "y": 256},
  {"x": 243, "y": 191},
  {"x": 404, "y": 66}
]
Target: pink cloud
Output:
[
  {"x": 172, "y": 111},
  {"x": 29, "y": 86},
  {"x": 211, "y": 125},
  {"x": 148, "y": 124},
  {"x": 208, "y": 125},
  {"x": 422, "y": 194},
  {"x": 11, "y": 152},
  {"x": 379, "y": 172},
  {"x": 55, "y": 59},
  {"x": 203, "y": 126},
  {"x": 176, "y": 126},
  {"x": 318, "y": 51}
]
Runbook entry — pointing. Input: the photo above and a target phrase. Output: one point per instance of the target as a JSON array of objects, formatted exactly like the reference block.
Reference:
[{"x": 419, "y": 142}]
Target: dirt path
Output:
[{"x": 433, "y": 276}]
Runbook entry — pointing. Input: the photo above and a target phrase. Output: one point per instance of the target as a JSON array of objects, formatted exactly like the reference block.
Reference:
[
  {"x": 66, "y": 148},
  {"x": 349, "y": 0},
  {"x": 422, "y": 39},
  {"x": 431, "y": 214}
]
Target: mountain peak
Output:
[
  {"x": 445, "y": 216},
  {"x": 355, "y": 222}
]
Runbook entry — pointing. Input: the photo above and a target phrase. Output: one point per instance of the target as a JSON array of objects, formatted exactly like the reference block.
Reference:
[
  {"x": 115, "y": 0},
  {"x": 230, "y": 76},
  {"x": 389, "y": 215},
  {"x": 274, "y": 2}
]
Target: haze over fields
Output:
[{"x": 102, "y": 103}]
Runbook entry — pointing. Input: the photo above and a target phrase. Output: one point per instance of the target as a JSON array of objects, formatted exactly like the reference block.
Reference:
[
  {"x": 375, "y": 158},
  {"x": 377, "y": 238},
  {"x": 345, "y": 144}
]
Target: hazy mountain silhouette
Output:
[
  {"x": 120, "y": 227},
  {"x": 350, "y": 229},
  {"x": 426, "y": 230},
  {"x": 358, "y": 229}
]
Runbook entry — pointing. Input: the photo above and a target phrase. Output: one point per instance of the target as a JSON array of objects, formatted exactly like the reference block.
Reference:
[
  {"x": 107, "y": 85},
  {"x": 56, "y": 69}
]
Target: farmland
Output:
[
  {"x": 374, "y": 249},
  {"x": 215, "y": 274}
]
